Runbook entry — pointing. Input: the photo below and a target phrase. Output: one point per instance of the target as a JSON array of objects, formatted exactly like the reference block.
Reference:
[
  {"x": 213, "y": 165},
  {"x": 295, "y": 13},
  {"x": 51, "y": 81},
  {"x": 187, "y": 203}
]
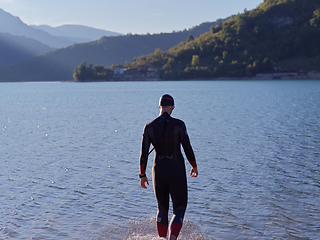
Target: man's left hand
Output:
[{"x": 194, "y": 172}]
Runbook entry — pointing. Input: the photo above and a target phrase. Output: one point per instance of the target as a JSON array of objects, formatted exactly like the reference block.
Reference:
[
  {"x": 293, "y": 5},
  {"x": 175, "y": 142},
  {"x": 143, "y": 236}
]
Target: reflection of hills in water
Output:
[{"x": 146, "y": 230}]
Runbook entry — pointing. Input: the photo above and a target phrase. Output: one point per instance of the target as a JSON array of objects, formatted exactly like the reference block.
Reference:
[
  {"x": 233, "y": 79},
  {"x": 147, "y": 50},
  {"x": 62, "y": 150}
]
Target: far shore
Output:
[{"x": 273, "y": 77}]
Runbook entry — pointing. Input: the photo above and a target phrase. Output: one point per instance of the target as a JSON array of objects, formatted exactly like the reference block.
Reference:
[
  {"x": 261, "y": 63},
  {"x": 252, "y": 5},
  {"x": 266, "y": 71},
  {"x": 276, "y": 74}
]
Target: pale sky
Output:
[{"x": 126, "y": 16}]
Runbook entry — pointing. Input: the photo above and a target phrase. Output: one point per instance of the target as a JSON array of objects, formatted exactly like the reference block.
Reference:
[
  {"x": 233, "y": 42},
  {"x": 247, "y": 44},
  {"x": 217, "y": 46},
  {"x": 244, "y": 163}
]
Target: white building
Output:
[{"x": 119, "y": 70}]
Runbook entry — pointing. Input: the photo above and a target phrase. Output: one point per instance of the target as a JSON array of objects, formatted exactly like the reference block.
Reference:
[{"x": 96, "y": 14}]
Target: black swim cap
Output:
[{"x": 166, "y": 100}]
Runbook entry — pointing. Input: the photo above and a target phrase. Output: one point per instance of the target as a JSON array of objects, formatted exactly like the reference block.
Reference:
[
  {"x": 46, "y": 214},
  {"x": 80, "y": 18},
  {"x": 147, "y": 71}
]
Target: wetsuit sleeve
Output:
[
  {"x": 185, "y": 141},
  {"x": 145, "y": 145}
]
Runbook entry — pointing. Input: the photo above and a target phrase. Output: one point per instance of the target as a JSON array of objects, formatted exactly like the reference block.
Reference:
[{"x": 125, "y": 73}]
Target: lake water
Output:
[{"x": 69, "y": 159}]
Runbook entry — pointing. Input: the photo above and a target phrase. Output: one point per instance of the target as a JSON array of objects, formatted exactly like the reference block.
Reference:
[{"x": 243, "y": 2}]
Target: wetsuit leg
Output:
[
  {"x": 162, "y": 221},
  {"x": 179, "y": 196},
  {"x": 161, "y": 190}
]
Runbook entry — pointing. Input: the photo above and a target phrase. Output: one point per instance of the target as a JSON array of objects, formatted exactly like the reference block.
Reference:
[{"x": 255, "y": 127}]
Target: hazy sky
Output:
[{"x": 126, "y": 16}]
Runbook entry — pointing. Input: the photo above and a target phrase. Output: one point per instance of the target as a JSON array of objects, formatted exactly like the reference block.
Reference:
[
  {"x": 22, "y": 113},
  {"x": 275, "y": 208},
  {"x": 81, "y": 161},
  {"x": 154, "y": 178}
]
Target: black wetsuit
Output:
[{"x": 167, "y": 134}]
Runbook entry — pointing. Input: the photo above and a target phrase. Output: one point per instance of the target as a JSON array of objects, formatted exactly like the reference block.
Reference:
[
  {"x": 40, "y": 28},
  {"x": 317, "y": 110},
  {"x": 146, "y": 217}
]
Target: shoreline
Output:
[
  {"x": 274, "y": 76},
  {"x": 315, "y": 76},
  {"x": 211, "y": 79}
]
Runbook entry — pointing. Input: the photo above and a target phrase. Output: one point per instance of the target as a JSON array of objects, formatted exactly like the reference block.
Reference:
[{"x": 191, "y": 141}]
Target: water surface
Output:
[{"x": 69, "y": 159}]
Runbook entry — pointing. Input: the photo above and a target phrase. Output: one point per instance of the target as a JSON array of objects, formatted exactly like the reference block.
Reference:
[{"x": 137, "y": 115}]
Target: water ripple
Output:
[{"x": 69, "y": 166}]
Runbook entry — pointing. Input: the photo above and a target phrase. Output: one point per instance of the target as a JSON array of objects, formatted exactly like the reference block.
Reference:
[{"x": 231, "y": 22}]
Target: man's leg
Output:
[
  {"x": 179, "y": 196},
  {"x": 161, "y": 191},
  {"x": 162, "y": 221},
  {"x": 176, "y": 221}
]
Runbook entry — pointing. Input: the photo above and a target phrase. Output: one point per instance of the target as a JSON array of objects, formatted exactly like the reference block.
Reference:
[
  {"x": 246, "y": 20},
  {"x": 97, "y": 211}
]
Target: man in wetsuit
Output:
[{"x": 167, "y": 134}]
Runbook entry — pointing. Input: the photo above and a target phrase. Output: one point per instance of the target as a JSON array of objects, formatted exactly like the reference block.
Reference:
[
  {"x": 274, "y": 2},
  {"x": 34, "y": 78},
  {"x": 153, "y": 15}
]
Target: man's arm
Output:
[
  {"x": 185, "y": 141},
  {"x": 145, "y": 145}
]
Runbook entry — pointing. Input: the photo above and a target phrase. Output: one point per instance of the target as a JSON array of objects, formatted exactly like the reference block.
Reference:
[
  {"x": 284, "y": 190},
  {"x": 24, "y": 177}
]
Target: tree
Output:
[
  {"x": 195, "y": 60},
  {"x": 88, "y": 73},
  {"x": 158, "y": 52},
  {"x": 98, "y": 69},
  {"x": 127, "y": 64},
  {"x": 224, "y": 55},
  {"x": 315, "y": 21},
  {"x": 80, "y": 71},
  {"x": 249, "y": 71},
  {"x": 267, "y": 65},
  {"x": 170, "y": 65},
  {"x": 190, "y": 38},
  {"x": 217, "y": 28}
]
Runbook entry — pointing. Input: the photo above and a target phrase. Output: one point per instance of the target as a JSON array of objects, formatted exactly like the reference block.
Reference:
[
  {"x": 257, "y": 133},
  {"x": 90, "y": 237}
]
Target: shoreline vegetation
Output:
[
  {"x": 84, "y": 73},
  {"x": 257, "y": 78}
]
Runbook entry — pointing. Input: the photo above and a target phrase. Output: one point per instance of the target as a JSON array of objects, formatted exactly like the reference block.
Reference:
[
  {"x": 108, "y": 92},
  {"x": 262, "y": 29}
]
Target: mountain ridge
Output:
[
  {"x": 77, "y": 33},
  {"x": 70, "y": 34},
  {"x": 14, "y": 26},
  {"x": 59, "y": 64}
]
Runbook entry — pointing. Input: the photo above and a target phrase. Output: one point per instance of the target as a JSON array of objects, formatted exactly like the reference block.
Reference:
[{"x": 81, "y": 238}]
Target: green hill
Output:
[{"x": 277, "y": 31}]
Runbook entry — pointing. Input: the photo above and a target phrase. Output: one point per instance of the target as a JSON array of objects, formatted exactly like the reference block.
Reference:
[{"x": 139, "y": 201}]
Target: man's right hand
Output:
[{"x": 143, "y": 182}]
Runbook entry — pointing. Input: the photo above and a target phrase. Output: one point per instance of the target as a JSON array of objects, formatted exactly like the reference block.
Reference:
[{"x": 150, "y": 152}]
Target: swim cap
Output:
[{"x": 166, "y": 100}]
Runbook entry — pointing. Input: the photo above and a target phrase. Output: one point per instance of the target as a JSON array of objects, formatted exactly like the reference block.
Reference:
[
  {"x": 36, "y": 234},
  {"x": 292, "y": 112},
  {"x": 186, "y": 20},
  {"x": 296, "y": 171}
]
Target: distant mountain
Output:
[
  {"x": 58, "y": 37},
  {"x": 58, "y": 65},
  {"x": 16, "y": 48},
  {"x": 76, "y": 33},
  {"x": 14, "y": 26}
]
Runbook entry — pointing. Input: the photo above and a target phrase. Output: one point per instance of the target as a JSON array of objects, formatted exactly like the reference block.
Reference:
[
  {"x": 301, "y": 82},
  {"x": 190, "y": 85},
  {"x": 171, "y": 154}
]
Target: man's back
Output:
[{"x": 166, "y": 134}]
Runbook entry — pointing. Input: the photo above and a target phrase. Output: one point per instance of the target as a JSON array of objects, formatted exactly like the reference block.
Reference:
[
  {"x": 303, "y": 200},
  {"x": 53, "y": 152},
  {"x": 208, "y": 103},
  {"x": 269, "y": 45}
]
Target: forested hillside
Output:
[{"x": 250, "y": 43}]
